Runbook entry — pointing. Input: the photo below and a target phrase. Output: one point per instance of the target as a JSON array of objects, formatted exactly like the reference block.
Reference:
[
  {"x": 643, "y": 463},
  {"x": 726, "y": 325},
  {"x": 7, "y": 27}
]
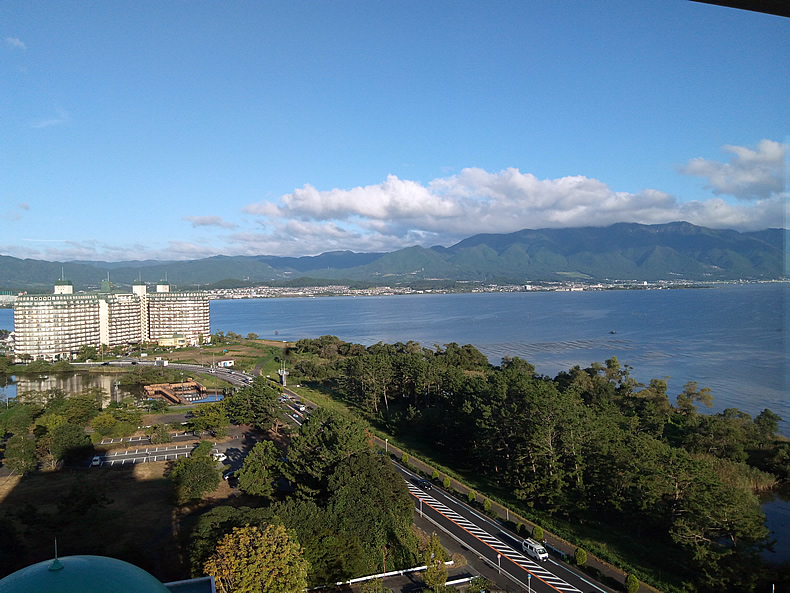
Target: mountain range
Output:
[{"x": 620, "y": 252}]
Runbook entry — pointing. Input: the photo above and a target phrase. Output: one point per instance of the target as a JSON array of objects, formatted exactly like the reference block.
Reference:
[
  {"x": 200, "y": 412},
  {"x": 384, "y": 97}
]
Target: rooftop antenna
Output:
[{"x": 56, "y": 564}]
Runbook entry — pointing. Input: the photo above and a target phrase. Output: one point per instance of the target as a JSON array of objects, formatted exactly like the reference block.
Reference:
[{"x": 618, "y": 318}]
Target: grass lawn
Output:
[{"x": 140, "y": 524}]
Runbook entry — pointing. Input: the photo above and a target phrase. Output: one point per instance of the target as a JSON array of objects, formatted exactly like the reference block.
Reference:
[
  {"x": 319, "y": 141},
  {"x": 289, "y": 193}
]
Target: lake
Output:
[{"x": 730, "y": 338}]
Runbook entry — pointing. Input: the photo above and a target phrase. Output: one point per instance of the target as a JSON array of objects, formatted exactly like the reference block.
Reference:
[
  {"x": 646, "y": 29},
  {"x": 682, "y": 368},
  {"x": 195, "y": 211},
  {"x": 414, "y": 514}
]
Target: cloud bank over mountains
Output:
[
  {"x": 748, "y": 193},
  {"x": 399, "y": 212}
]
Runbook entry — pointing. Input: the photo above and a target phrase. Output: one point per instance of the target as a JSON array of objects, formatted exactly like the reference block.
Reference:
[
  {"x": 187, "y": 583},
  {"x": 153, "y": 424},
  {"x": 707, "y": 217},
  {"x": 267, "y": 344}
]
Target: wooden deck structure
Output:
[{"x": 177, "y": 393}]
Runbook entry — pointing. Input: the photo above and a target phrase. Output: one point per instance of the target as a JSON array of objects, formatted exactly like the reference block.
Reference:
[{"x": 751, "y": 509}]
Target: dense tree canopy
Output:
[
  {"x": 589, "y": 442},
  {"x": 253, "y": 560}
]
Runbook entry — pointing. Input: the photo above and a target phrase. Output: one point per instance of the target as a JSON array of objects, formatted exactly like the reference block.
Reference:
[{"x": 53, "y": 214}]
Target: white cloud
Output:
[
  {"x": 750, "y": 174},
  {"x": 399, "y": 213},
  {"x": 199, "y": 221},
  {"x": 15, "y": 43}
]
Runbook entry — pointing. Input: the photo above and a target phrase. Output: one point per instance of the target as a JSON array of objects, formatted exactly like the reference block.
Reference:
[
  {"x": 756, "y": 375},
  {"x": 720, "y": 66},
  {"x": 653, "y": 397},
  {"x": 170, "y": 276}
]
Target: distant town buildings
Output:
[{"x": 56, "y": 326}]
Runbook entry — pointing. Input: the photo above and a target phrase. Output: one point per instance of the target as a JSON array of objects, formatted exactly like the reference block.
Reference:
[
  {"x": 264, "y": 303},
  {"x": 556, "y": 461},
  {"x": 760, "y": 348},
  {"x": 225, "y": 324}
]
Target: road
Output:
[
  {"x": 236, "y": 378},
  {"x": 487, "y": 540}
]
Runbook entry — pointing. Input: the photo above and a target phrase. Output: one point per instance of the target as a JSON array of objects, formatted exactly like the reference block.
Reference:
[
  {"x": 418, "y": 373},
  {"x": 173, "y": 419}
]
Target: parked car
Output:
[{"x": 96, "y": 461}]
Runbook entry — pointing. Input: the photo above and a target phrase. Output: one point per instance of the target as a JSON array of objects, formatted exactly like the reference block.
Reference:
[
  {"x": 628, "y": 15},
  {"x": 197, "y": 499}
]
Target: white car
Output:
[
  {"x": 534, "y": 549},
  {"x": 96, "y": 461},
  {"x": 219, "y": 457}
]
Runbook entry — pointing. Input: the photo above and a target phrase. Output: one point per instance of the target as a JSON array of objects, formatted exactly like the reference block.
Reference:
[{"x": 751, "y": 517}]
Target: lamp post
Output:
[
  {"x": 386, "y": 445},
  {"x": 499, "y": 562},
  {"x": 529, "y": 582}
]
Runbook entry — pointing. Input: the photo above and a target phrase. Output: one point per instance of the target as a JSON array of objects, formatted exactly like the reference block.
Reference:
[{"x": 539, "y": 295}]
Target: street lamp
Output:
[
  {"x": 499, "y": 562},
  {"x": 529, "y": 582},
  {"x": 386, "y": 445}
]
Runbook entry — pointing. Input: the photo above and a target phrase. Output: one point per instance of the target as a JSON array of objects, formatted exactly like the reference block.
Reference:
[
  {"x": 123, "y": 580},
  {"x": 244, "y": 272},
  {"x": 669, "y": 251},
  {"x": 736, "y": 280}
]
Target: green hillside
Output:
[{"x": 623, "y": 251}]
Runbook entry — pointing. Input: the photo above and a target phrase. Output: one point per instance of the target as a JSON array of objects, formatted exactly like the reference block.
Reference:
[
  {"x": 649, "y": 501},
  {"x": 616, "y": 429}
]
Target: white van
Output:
[{"x": 534, "y": 549}]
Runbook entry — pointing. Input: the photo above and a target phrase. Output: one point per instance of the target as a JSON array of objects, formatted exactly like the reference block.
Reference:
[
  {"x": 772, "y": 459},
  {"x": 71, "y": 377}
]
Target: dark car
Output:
[{"x": 424, "y": 484}]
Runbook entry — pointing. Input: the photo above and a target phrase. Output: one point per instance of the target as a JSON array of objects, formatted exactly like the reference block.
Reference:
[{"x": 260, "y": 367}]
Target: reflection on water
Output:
[
  {"x": 776, "y": 506},
  {"x": 69, "y": 382}
]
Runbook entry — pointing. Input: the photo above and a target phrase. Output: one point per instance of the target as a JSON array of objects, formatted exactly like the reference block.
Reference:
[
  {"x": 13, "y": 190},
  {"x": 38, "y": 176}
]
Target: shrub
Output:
[
  {"x": 479, "y": 585},
  {"x": 160, "y": 435},
  {"x": 580, "y": 556},
  {"x": 471, "y": 497},
  {"x": 487, "y": 505},
  {"x": 446, "y": 482},
  {"x": 520, "y": 529},
  {"x": 435, "y": 475},
  {"x": 404, "y": 459},
  {"x": 537, "y": 533},
  {"x": 631, "y": 584}
]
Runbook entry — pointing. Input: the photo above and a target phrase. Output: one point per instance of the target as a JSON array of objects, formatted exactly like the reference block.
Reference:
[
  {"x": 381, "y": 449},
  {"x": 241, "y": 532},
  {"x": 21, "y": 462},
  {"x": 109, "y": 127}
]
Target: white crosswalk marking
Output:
[{"x": 497, "y": 544}]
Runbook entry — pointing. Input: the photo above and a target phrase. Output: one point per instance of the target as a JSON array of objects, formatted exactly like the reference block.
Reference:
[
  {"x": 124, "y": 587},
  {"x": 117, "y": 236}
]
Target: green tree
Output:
[
  {"x": 49, "y": 421},
  {"x": 211, "y": 418},
  {"x": 251, "y": 560},
  {"x": 70, "y": 444},
  {"x": 17, "y": 418},
  {"x": 435, "y": 575},
  {"x": 87, "y": 353},
  {"x": 214, "y": 524},
  {"x": 260, "y": 469},
  {"x": 252, "y": 336},
  {"x": 692, "y": 394},
  {"x": 580, "y": 556},
  {"x": 480, "y": 585},
  {"x": 367, "y": 499},
  {"x": 160, "y": 434},
  {"x": 158, "y": 406},
  {"x": 195, "y": 476},
  {"x": 537, "y": 533},
  {"x": 767, "y": 424},
  {"x": 104, "y": 424},
  {"x": 324, "y": 440},
  {"x": 256, "y": 404},
  {"x": 20, "y": 454},
  {"x": 631, "y": 584}
]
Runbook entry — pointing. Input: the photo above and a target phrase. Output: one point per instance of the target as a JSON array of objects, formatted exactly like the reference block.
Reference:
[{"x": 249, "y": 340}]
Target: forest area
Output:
[{"x": 590, "y": 447}]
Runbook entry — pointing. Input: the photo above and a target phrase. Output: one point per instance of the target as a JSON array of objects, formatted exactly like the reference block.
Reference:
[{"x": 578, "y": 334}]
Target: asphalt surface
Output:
[{"x": 489, "y": 544}]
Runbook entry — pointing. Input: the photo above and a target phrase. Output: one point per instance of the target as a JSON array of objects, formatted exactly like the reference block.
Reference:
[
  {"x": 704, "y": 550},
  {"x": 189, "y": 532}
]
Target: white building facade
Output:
[{"x": 56, "y": 326}]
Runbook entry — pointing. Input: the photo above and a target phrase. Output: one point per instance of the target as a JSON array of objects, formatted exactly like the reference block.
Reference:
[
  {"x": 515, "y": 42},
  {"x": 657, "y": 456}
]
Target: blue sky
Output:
[{"x": 178, "y": 130}]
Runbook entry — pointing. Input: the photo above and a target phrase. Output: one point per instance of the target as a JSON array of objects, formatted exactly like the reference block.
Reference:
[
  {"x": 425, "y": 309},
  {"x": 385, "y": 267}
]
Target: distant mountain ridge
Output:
[{"x": 622, "y": 251}]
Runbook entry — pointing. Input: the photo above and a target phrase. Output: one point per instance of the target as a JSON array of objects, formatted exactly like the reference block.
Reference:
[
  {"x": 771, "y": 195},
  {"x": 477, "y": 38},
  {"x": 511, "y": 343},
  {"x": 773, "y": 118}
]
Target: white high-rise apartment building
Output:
[{"x": 56, "y": 326}]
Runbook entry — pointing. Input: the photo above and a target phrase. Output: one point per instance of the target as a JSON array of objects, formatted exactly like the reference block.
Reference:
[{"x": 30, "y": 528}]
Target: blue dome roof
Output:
[{"x": 82, "y": 574}]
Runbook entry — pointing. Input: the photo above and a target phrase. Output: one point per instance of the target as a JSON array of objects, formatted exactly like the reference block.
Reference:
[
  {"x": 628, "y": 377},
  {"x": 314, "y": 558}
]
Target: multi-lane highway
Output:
[{"x": 487, "y": 540}]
